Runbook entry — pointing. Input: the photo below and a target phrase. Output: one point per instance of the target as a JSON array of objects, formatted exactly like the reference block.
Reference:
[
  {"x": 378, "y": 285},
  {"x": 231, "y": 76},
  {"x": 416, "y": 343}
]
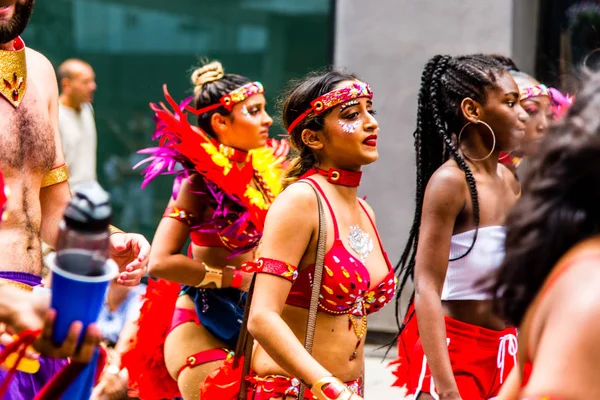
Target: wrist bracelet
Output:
[
  {"x": 212, "y": 274},
  {"x": 236, "y": 282},
  {"x": 113, "y": 229},
  {"x": 331, "y": 388}
]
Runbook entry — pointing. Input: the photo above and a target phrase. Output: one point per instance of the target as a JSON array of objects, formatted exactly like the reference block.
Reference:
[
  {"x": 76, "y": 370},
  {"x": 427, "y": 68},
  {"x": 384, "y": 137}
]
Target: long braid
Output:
[
  {"x": 407, "y": 259},
  {"x": 445, "y": 82}
]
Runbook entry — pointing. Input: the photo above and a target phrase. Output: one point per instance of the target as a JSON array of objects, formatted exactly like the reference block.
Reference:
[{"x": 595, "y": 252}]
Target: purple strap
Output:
[{"x": 22, "y": 277}]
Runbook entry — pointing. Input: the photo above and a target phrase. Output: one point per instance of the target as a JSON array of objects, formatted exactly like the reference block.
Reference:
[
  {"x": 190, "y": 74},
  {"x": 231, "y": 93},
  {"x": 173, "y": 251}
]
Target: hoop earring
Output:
[{"x": 493, "y": 141}]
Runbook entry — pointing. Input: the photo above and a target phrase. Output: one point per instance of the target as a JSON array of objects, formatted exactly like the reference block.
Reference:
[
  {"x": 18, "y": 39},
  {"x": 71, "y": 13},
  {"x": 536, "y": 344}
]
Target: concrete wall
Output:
[{"x": 387, "y": 43}]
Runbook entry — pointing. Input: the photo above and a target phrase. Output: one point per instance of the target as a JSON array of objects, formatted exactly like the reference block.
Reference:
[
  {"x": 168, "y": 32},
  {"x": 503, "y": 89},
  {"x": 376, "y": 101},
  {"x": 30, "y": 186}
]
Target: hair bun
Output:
[{"x": 207, "y": 73}]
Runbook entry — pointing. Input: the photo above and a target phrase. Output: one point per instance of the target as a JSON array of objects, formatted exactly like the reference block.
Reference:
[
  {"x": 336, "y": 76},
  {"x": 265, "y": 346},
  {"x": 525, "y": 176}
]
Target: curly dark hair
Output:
[
  {"x": 445, "y": 83},
  {"x": 559, "y": 206}
]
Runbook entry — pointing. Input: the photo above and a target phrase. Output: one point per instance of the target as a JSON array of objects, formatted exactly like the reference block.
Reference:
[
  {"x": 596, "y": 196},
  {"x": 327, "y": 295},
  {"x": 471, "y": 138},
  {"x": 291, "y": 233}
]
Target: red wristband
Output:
[{"x": 236, "y": 282}]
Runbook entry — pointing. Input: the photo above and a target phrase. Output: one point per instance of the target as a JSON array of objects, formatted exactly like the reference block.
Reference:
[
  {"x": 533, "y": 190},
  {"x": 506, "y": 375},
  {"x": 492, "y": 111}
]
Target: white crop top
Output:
[{"x": 463, "y": 276}]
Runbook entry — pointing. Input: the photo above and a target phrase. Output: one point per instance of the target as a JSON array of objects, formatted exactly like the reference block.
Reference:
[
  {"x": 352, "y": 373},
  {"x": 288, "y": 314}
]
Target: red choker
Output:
[
  {"x": 233, "y": 154},
  {"x": 339, "y": 176}
]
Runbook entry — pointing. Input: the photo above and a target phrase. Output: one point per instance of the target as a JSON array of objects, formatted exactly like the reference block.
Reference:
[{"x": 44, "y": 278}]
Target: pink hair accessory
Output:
[
  {"x": 560, "y": 102},
  {"x": 334, "y": 98},
  {"x": 232, "y": 98}
]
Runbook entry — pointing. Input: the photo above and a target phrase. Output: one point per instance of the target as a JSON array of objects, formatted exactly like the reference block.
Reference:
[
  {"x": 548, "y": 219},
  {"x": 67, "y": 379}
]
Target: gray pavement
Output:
[{"x": 378, "y": 377}]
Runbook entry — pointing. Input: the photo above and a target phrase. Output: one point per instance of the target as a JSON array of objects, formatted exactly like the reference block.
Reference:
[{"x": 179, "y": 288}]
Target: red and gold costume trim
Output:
[
  {"x": 232, "y": 98},
  {"x": 13, "y": 73},
  {"x": 272, "y": 267}
]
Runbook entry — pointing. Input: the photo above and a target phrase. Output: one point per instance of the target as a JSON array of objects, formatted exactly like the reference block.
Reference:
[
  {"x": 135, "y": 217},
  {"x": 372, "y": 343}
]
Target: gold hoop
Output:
[{"x": 493, "y": 142}]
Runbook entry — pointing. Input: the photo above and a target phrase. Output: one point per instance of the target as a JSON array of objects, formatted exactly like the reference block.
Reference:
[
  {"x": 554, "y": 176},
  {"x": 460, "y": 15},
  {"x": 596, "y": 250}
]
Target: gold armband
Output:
[
  {"x": 212, "y": 275},
  {"x": 113, "y": 229},
  {"x": 55, "y": 176},
  {"x": 331, "y": 388}
]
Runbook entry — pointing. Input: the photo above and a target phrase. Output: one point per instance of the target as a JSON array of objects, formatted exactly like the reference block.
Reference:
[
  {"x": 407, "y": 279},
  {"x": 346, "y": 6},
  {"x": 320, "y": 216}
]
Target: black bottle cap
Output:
[{"x": 89, "y": 209}]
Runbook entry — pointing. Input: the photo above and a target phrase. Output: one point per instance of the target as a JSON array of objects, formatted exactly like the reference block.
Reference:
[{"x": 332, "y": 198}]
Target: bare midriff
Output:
[
  {"x": 474, "y": 312},
  {"x": 333, "y": 345}
]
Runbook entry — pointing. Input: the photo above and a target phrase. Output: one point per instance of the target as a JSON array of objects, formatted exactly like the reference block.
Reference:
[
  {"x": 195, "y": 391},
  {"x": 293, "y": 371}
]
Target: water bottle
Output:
[
  {"x": 81, "y": 270},
  {"x": 83, "y": 244}
]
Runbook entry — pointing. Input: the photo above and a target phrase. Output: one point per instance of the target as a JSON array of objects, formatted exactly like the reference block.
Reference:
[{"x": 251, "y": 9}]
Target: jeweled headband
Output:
[
  {"x": 332, "y": 99},
  {"x": 534, "y": 91},
  {"x": 560, "y": 102},
  {"x": 232, "y": 98}
]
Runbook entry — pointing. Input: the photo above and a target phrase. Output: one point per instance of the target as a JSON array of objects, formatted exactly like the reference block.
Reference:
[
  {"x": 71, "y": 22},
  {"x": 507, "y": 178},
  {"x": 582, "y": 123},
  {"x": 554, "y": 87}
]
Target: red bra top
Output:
[
  {"x": 209, "y": 234},
  {"x": 346, "y": 286}
]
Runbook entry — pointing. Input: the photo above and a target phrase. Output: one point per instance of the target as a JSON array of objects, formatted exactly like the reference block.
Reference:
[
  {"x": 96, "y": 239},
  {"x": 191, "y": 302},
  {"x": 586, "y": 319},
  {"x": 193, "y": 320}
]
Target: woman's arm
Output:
[
  {"x": 444, "y": 199},
  {"x": 166, "y": 260},
  {"x": 290, "y": 227}
]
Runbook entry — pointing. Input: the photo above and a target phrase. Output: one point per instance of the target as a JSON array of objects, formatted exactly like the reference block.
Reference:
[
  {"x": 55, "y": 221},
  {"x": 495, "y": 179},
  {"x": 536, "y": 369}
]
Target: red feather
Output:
[
  {"x": 181, "y": 136},
  {"x": 145, "y": 360},
  {"x": 224, "y": 383}
]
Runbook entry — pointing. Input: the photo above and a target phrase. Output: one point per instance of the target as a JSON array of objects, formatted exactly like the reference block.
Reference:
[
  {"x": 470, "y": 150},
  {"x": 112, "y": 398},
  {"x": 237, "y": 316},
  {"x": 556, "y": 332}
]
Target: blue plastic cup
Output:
[
  {"x": 79, "y": 286},
  {"x": 78, "y": 289}
]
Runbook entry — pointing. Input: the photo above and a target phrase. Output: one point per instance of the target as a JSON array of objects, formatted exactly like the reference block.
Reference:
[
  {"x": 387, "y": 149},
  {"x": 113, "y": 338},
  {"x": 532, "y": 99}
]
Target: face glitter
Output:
[
  {"x": 245, "y": 112},
  {"x": 349, "y": 127}
]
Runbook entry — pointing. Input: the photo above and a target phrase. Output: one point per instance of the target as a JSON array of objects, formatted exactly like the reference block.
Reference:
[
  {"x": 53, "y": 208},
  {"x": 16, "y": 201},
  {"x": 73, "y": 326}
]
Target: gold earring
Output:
[{"x": 493, "y": 141}]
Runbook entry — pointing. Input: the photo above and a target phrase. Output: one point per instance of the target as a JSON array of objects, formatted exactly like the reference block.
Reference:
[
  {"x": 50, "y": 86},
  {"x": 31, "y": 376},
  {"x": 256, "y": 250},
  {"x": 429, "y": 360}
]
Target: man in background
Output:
[{"x": 76, "y": 122}]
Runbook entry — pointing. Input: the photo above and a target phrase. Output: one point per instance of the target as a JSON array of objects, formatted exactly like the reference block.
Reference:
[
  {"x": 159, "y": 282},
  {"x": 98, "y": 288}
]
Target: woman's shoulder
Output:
[
  {"x": 299, "y": 193},
  {"x": 448, "y": 177}
]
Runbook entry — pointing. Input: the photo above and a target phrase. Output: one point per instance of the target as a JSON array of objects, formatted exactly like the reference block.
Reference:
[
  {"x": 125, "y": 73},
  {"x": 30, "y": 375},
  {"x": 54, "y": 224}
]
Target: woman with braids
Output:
[
  {"x": 330, "y": 119},
  {"x": 541, "y": 103},
  {"x": 220, "y": 199},
  {"x": 468, "y": 112},
  {"x": 548, "y": 282}
]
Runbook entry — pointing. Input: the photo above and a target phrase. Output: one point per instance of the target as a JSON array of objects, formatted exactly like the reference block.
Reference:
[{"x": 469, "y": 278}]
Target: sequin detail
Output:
[
  {"x": 242, "y": 93},
  {"x": 338, "y": 96},
  {"x": 334, "y": 98}
]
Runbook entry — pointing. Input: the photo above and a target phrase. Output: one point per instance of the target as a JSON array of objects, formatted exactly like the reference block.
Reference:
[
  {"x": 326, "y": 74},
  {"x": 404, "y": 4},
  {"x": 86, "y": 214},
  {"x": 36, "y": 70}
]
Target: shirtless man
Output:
[{"x": 33, "y": 165}]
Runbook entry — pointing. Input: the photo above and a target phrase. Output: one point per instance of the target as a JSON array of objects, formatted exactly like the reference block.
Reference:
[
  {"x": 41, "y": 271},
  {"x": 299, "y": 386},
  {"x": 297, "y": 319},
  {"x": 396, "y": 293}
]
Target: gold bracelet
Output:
[
  {"x": 113, "y": 229},
  {"x": 55, "y": 176},
  {"x": 333, "y": 386},
  {"x": 212, "y": 275}
]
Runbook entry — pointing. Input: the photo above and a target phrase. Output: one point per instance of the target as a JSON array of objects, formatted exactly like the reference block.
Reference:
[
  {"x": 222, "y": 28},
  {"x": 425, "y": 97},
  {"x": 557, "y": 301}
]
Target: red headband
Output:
[
  {"x": 232, "y": 98},
  {"x": 332, "y": 99}
]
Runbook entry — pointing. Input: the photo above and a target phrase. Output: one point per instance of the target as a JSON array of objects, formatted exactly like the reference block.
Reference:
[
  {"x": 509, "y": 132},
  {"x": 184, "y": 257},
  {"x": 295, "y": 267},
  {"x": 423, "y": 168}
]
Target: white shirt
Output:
[{"x": 79, "y": 142}]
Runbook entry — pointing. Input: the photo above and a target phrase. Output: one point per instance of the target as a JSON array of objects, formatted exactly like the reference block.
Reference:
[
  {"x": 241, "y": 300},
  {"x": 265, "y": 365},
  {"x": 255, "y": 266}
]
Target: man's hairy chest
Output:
[{"x": 26, "y": 135}]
